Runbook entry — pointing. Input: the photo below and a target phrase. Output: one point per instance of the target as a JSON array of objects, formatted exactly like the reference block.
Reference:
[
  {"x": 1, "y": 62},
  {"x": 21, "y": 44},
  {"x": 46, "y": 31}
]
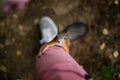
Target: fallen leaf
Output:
[
  {"x": 1, "y": 45},
  {"x": 13, "y": 40},
  {"x": 20, "y": 27},
  {"x": 102, "y": 46},
  {"x": 15, "y": 16},
  {"x": 8, "y": 42},
  {"x": 22, "y": 30},
  {"x": 19, "y": 52},
  {"x": 105, "y": 31},
  {"x": 115, "y": 54},
  {"x": 116, "y": 2},
  {"x": 36, "y": 21},
  {"x": 3, "y": 68},
  {"x": 119, "y": 75},
  {"x": 111, "y": 56}
]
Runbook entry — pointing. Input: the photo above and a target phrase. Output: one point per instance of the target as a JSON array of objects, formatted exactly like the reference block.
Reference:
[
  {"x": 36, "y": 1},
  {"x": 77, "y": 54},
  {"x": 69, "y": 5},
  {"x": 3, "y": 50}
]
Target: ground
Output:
[{"x": 98, "y": 51}]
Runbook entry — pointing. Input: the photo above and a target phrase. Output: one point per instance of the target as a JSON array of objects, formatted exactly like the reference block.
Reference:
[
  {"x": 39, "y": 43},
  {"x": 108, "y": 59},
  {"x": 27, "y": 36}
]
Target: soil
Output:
[{"x": 19, "y": 35}]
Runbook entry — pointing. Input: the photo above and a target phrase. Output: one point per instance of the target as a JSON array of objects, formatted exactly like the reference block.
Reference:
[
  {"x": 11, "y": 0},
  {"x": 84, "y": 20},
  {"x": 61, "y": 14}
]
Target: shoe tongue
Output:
[{"x": 77, "y": 31}]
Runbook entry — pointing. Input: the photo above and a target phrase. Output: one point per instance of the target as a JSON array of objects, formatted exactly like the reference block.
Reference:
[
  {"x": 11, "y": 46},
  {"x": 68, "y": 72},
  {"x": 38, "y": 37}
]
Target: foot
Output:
[
  {"x": 48, "y": 29},
  {"x": 60, "y": 40}
]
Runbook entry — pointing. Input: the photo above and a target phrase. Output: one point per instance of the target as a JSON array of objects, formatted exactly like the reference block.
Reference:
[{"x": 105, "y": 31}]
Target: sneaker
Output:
[
  {"x": 48, "y": 29},
  {"x": 76, "y": 30}
]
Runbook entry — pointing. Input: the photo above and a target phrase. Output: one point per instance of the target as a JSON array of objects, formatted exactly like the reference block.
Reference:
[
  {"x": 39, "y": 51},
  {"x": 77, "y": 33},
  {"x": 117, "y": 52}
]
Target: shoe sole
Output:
[{"x": 51, "y": 25}]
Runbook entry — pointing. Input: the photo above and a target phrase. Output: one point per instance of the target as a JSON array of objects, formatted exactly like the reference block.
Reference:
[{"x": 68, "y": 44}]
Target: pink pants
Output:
[
  {"x": 19, "y": 4},
  {"x": 55, "y": 64}
]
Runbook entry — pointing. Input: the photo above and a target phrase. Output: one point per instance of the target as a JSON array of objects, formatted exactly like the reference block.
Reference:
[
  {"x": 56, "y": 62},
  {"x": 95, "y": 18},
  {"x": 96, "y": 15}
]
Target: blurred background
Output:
[{"x": 98, "y": 51}]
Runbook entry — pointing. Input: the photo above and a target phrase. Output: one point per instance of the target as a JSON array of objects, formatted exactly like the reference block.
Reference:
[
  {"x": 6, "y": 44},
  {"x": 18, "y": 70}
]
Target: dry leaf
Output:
[
  {"x": 119, "y": 75},
  {"x": 102, "y": 46},
  {"x": 105, "y": 31},
  {"x": 111, "y": 56},
  {"x": 13, "y": 39},
  {"x": 20, "y": 27},
  {"x": 3, "y": 68},
  {"x": 15, "y": 16},
  {"x": 115, "y": 54},
  {"x": 19, "y": 52},
  {"x": 1, "y": 45},
  {"x": 36, "y": 21},
  {"x": 116, "y": 2}
]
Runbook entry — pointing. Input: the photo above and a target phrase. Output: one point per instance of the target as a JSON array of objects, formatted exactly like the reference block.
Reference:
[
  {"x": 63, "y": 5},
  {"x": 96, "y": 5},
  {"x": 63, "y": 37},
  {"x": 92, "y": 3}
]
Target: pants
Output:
[{"x": 56, "y": 64}]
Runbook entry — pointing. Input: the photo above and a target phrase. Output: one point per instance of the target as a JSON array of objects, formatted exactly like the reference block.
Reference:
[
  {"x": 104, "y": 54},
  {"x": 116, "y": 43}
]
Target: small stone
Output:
[
  {"x": 115, "y": 54},
  {"x": 102, "y": 46},
  {"x": 116, "y": 2},
  {"x": 19, "y": 52},
  {"x": 105, "y": 31},
  {"x": 36, "y": 21},
  {"x": 3, "y": 68}
]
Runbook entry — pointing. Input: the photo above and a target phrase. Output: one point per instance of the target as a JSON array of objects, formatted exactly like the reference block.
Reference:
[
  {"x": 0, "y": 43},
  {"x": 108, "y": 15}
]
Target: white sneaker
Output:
[{"x": 48, "y": 29}]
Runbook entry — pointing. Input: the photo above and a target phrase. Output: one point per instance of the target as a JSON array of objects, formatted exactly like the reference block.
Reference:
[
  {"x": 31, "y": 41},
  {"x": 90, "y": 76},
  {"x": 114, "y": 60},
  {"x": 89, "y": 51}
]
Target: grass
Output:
[{"x": 106, "y": 72}]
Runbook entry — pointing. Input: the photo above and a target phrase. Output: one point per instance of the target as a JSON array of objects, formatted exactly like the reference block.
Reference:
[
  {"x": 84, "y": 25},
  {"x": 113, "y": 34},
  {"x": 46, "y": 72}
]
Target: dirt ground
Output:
[{"x": 98, "y": 52}]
